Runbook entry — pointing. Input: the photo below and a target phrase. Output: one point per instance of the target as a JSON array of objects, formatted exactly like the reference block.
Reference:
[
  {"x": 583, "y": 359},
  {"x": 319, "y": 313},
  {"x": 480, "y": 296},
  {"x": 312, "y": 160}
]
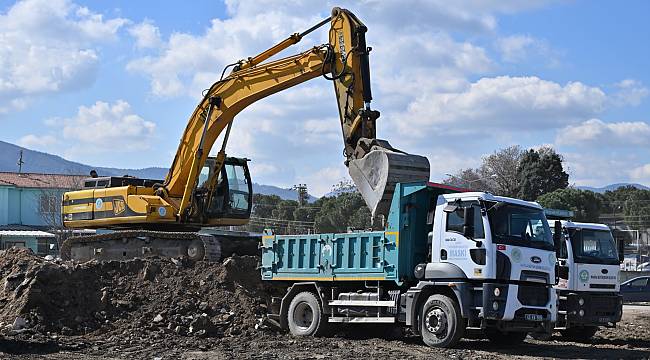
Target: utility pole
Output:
[
  {"x": 20, "y": 162},
  {"x": 303, "y": 195}
]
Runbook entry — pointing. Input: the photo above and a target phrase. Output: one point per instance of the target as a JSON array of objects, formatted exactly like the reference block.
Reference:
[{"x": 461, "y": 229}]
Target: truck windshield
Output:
[
  {"x": 519, "y": 225},
  {"x": 593, "y": 246}
]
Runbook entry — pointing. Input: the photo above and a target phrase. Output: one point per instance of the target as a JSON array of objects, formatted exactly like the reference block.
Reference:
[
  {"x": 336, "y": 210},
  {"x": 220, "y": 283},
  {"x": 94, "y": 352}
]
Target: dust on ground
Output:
[{"x": 172, "y": 309}]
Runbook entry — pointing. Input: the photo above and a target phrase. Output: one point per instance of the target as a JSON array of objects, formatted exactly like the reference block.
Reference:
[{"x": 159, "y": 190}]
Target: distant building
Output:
[{"x": 30, "y": 209}]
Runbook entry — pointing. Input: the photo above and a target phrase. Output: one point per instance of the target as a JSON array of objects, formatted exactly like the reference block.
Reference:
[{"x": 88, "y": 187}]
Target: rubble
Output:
[{"x": 159, "y": 297}]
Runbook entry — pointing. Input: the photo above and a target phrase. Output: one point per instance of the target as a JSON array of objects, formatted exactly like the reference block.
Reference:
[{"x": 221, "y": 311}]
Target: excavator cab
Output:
[{"x": 232, "y": 193}]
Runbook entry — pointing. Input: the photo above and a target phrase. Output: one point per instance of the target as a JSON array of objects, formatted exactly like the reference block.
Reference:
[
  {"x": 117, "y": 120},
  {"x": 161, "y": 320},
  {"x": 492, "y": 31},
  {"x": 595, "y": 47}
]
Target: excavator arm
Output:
[{"x": 344, "y": 60}]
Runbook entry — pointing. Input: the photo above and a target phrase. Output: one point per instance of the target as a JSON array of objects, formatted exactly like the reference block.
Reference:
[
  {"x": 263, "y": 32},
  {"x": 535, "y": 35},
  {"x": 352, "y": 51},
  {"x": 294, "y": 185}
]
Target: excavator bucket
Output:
[{"x": 377, "y": 173}]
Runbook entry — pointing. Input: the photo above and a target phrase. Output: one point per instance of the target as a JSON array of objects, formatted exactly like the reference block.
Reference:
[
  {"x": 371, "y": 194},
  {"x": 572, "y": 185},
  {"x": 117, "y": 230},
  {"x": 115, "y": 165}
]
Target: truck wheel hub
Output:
[
  {"x": 436, "y": 321},
  {"x": 303, "y": 315}
]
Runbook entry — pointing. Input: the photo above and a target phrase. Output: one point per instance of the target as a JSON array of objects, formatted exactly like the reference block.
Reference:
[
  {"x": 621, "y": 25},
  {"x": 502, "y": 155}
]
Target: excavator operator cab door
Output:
[{"x": 233, "y": 192}]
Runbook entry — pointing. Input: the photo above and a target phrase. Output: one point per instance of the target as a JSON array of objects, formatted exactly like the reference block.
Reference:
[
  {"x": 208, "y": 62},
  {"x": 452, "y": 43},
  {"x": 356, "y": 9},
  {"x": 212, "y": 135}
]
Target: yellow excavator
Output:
[{"x": 152, "y": 217}]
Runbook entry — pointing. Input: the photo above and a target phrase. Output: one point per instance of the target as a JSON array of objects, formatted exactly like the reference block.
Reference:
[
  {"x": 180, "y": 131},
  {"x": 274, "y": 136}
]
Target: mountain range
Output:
[
  {"x": 612, "y": 187},
  {"x": 44, "y": 163}
]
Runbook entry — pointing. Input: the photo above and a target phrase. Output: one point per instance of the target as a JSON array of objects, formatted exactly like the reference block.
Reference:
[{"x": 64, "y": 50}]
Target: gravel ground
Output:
[{"x": 164, "y": 309}]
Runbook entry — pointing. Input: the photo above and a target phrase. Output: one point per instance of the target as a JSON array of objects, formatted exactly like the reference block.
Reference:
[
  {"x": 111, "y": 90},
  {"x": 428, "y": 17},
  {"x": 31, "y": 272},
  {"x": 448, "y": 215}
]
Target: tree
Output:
[
  {"x": 500, "y": 170},
  {"x": 585, "y": 204},
  {"x": 497, "y": 173},
  {"x": 540, "y": 172},
  {"x": 49, "y": 203},
  {"x": 337, "y": 214}
]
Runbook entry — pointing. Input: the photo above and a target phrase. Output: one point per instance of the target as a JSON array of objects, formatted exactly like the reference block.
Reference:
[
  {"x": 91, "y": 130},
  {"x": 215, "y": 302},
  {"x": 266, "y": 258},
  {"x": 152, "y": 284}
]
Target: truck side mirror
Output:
[
  {"x": 557, "y": 236},
  {"x": 468, "y": 224},
  {"x": 621, "y": 250}
]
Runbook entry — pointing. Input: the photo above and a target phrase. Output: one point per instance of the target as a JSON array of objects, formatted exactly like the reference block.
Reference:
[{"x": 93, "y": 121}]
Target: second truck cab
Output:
[{"x": 588, "y": 286}]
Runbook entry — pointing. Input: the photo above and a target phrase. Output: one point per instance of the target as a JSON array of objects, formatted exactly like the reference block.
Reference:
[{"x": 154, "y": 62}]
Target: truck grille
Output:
[{"x": 533, "y": 295}]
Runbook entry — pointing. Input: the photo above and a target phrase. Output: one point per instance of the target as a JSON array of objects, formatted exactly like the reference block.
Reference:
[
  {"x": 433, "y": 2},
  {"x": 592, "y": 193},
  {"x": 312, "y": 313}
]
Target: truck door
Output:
[{"x": 456, "y": 248}]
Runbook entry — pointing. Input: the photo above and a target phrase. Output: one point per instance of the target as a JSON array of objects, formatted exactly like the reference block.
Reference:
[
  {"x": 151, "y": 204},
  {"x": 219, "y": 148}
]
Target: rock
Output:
[
  {"x": 150, "y": 271},
  {"x": 158, "y": 318},
  {"x": 19, "y": 324}
]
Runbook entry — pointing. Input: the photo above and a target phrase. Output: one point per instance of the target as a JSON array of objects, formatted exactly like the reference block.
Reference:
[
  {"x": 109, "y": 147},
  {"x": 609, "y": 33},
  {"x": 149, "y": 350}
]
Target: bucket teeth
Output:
[{"x": 377, "y": 173}]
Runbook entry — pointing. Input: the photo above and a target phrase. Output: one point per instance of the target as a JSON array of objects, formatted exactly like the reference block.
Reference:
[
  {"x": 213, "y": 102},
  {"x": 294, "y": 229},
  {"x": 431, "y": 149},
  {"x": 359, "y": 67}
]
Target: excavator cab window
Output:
[{"x": 232, "y": 195}]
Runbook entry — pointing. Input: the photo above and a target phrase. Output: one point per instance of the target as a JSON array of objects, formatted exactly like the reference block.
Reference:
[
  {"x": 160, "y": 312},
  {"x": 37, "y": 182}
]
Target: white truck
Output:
[
  {"x": 448, "y": 263},
  {"x": 588, "y": 279}
]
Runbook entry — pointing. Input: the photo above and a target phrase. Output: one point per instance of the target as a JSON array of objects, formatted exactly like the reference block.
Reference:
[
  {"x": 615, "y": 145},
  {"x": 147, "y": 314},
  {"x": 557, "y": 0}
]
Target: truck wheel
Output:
[
  {"x": 305, "y": 316},
  {"x": 441, "y": 324},
  {"x": 580, "y": 333},
  {"x": 502, "y": 338}
]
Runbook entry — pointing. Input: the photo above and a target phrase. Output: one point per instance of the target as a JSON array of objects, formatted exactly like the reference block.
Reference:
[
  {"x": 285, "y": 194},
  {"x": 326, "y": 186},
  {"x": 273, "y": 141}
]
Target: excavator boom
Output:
[{"x": 344, "y": 60}]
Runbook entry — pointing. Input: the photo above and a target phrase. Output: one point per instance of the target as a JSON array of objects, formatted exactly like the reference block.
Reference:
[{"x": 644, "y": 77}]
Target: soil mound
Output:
[{"x": 155, "y": 297}]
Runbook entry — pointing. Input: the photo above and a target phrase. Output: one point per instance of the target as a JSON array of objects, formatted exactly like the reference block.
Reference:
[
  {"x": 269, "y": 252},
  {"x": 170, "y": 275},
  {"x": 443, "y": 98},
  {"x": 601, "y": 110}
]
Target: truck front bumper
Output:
[
  {"x": 591, "y": 309},
  {"x": 516, "y": 307}
]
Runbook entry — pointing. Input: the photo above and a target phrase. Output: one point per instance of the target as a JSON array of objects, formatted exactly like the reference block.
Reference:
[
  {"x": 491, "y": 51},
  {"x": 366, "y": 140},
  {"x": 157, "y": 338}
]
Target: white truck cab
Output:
[
  {"x": 588, "y": 280},
  {"x": 508, "y": 259}
]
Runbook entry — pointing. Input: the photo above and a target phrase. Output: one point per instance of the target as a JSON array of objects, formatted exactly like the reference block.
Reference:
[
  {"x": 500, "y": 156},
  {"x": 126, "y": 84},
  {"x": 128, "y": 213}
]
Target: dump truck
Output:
[
  {"x": 449, "y": 263},
  {"x": 588, "y": 273}
]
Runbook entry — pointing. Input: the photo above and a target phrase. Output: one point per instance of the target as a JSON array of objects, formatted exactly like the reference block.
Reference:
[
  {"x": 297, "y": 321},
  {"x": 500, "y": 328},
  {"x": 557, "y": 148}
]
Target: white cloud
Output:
[
  {"x": 519, "y": 48},
  {"x": 47, "y": 47},
  {"x": 629, "y": 92},
  {"x": 146, "y": 35},
  {"x": 36, "y": 142},
  {"x": 109, "y": 127},
  {"x": 514, "y": 48},
  {"x": 641, "y": 173},
  {"x": 597, "y": 133},
  {"x": 503, "y": 103}
]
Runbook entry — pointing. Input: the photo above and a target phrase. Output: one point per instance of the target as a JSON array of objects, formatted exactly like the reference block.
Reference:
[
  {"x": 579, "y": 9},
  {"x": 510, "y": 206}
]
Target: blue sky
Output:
[{"x": 112, "y": 83}]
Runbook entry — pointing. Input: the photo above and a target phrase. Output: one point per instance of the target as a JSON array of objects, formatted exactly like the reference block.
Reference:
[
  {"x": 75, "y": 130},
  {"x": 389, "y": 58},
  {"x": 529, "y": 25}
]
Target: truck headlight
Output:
[
  {"x": 581, "y": 312},
  {"x": 581, "y": 301},
  {"x": 497, "y": 291},
  {"x": 495, "y": 306}
]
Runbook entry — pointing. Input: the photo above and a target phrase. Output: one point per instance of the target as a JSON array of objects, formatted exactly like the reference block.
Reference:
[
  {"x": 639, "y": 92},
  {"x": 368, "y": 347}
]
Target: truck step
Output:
[
  {"x": 363, "y": 320},
  {"x": 382, "y": 303}
]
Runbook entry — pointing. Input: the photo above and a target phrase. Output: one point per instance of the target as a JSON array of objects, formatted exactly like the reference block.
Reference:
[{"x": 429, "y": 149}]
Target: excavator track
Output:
[{"x": 129, "y": 244}]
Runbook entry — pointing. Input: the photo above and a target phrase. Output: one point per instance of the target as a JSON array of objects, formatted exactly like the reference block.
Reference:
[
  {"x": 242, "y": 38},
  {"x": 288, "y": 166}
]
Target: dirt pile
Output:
[{"x": 129, "y": 300}]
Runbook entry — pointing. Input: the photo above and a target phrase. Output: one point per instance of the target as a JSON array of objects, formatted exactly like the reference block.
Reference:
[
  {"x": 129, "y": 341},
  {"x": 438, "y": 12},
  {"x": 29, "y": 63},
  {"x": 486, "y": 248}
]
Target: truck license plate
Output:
[
  {"x": 603, "y": 319},
  {"x": 534, "y": 317}
]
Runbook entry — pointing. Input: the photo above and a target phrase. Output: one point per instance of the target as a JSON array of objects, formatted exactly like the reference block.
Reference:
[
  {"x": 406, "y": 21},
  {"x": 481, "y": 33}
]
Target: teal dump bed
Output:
[{"x": 389, "y": 255}]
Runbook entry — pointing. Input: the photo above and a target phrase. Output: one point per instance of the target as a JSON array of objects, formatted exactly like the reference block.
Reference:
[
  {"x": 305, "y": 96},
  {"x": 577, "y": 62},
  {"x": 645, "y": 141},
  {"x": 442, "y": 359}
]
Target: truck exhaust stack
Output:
[{"x": 376, "y": 174}]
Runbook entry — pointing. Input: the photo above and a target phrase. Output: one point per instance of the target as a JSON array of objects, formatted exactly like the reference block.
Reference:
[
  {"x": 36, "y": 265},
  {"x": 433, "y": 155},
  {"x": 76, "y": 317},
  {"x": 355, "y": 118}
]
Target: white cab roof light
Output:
[{"x": 467, "y": 196}]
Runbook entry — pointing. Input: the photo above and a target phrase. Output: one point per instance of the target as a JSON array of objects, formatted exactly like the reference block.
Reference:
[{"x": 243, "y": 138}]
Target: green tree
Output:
[
  {"x": 585, "y": 204},
  {"x": 337, "y": 214},
  {"x": 540, "y": 172}
]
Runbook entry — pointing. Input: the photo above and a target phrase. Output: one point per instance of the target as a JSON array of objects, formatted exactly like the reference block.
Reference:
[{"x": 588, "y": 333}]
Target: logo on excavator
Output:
[{"x": 118, "y": 206}]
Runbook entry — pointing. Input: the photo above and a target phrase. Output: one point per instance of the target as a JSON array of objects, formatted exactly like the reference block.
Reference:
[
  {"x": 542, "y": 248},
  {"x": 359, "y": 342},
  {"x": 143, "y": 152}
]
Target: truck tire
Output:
[
  {"x": 579, "y": 333},
  {"x": 305, "y": 316},
  {"x": 502, "y": 338},
  {"x": 441, "y": 324}
]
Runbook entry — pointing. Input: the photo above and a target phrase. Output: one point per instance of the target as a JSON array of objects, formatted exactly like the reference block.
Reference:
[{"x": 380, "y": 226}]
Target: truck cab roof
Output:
[
  {"x": 583, "y": 225},
  {"x": 479, "y": 195}
]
